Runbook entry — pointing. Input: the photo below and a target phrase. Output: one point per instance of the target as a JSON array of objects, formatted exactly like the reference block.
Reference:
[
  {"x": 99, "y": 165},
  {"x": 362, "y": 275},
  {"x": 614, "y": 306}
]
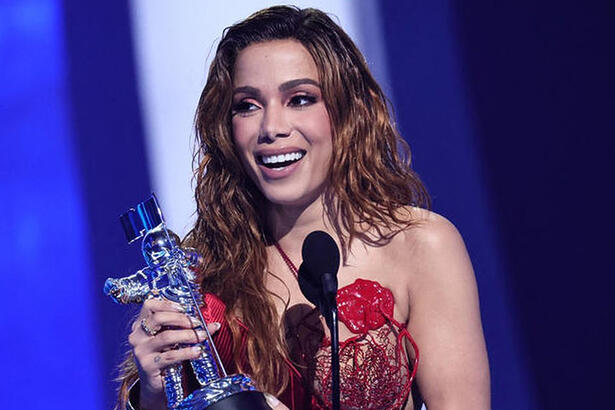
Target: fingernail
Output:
[
  {"x": 202, "y": 334},
  {"x": 197, "y": 348},
  {"x": 178, "y": 307},
  {"x": 195, "y": 322},
  {"x": 271, "y": 400},
  {"x": 216, "y": 326}
]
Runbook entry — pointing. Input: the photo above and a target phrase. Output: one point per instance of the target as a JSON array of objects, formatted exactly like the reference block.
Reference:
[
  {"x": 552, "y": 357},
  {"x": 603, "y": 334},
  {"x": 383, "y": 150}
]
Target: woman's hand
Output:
[
  {"x": 274, "y": 403},
  {"x": 161, "y": 336}
]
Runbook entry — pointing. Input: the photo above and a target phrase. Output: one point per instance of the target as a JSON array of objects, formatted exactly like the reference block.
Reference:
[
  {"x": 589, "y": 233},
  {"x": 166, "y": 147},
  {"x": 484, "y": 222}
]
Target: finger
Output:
[
  {"x": 164, "y": 359},
  {"x": 170, "y": 338},
  {"x": 163, "y": 320},
  {"x": 159, "y": 320},
  {"x": 143, "y": 344},
  {"x": 213, "y": 327},
  {"x": 151, "y": 306},
  {"x": 148, "y": 329},
  {"x": 161, "y": 305}
]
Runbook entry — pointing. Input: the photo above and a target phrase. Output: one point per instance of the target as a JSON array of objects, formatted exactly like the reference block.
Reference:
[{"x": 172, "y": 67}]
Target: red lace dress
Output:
[{"x": 375, "y": 372}]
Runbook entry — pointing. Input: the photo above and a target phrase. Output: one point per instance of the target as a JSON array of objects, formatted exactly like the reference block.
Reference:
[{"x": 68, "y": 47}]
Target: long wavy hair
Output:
[{"x": 370, "y": 179}]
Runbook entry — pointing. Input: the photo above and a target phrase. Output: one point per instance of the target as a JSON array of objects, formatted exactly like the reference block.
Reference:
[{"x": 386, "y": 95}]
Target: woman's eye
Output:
[
  {"x": 302, "y": 100},
  {"x": 243, "y": 107}
]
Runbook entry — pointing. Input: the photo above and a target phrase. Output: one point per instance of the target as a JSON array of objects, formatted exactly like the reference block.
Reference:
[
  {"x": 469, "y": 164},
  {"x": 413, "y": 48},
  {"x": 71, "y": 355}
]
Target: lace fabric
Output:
[{"x": 375, "y": 372}]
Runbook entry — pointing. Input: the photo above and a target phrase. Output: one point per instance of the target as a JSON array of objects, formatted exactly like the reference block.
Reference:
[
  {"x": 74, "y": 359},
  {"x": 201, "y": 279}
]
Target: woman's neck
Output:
[{"x": 291, "y": 224}]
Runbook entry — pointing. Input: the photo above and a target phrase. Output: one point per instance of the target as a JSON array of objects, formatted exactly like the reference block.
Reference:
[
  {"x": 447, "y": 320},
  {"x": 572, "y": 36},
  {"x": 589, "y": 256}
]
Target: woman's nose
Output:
[{"x": 274, "y": 123}]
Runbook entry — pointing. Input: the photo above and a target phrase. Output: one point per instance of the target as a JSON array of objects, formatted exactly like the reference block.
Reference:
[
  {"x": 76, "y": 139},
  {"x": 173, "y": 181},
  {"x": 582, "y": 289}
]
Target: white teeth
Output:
[{"x": 274, "y": 159}]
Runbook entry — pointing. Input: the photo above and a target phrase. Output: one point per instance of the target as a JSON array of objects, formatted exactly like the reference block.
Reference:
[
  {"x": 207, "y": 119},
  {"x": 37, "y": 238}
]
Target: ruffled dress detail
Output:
[{"x": 375, "y": 372}]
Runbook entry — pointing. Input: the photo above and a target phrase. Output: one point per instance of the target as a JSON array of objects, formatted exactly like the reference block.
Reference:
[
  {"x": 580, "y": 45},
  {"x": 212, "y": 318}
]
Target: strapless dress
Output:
[{"x": 375, "y": 371}]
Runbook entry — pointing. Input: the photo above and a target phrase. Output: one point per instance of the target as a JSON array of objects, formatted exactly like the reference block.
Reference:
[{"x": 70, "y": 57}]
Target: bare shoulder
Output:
[
  {"x": 438, "y": 265},
  {"x": 444, "y": 313},
  {"x": 431, "y": 247},
  {"x": 430, "y": 228}
]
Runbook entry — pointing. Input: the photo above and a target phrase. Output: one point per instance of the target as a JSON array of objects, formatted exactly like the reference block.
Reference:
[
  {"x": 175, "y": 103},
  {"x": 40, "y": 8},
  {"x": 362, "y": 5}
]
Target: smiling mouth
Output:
[{"x": 281, "y": 160}]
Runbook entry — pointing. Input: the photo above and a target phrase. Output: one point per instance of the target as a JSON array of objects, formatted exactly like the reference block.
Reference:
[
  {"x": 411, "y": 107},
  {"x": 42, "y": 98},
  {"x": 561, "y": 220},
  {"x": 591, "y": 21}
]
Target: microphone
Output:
[
  {"x": 318, "y": 282},
  {"x": 318, "y": 271}
]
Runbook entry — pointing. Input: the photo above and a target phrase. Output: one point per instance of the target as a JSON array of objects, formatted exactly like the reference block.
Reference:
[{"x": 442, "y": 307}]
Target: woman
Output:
[{"x": 295, "y": 136}]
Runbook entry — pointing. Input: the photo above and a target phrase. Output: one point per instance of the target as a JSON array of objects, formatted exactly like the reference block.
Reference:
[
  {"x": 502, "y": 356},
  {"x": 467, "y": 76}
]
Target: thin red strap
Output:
[
  {"x": 292, "y": 369},
  {"x": 404, "y": 333},
  {"x": 292, "y": 391},
  {"x": 287, "y": 260}
]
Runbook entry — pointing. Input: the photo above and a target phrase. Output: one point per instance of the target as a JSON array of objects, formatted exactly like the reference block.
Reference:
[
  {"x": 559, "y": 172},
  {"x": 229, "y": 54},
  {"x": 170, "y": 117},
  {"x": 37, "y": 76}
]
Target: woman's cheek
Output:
[{"x": 242, "y": 131}]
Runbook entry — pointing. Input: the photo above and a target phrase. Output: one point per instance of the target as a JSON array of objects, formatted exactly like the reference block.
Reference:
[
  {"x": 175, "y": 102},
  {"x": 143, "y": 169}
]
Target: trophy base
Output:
[
  {"x": 249, "y": 400},
  {"x": 229, "y": 393}
]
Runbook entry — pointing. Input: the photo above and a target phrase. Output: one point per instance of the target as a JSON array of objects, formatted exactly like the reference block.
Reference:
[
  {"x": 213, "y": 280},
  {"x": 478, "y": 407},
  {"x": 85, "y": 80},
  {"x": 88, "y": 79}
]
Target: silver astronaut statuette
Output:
[{"x": 170, "y": 274}]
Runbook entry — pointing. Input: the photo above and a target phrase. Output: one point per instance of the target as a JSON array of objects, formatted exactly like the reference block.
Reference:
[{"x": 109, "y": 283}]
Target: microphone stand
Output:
[
  {"x": 335, "y": 358},
  {"x": 333, "y": 324}
]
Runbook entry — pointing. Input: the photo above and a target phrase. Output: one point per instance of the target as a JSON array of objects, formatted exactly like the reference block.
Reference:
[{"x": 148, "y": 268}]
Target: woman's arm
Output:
[{"x": 445, "y": 322}]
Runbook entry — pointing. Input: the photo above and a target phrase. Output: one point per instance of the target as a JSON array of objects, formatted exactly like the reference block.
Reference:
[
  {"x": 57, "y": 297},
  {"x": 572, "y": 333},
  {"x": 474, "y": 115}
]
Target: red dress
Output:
[{"x": 375, "y": 372}]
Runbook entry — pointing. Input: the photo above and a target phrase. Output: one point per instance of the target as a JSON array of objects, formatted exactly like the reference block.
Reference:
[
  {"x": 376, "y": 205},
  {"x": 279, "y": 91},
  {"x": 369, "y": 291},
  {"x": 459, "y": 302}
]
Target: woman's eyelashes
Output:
[
  {"x": 245, "y": 107},
  {"x": 302, "y": 100}
]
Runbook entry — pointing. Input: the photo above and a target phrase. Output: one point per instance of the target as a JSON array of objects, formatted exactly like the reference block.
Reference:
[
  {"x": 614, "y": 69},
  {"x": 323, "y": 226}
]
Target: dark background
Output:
[
  {"x": 508, "y": 108},
  {"x": 537, "y": 78}
]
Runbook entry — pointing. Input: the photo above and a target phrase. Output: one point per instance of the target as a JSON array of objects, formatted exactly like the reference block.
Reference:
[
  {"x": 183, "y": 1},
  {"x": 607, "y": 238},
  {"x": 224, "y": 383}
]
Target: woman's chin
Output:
[{"x": 292, "y": 199}]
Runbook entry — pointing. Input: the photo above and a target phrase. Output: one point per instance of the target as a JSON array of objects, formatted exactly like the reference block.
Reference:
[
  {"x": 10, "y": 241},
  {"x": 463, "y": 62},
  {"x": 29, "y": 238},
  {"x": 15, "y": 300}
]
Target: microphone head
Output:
[
  {"x": 320, "y": 255},
  {"x": 318, "y": 272},
  {"x": 310, "y": 286}
]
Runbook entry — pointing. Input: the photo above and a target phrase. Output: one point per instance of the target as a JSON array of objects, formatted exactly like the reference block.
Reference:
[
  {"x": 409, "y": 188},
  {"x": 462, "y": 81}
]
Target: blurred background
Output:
[{"x": 508, "y": 107}]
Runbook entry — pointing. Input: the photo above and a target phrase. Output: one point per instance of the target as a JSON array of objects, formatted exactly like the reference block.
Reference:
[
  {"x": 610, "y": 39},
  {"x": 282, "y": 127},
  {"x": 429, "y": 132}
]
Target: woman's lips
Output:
[
  {"x": 278, "y": 160},
  {"x": 266, "y": 162}
]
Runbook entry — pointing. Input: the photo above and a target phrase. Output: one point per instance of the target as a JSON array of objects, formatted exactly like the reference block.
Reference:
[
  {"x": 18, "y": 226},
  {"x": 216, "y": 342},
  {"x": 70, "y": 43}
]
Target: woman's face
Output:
[{"x": 281, "y": 126}]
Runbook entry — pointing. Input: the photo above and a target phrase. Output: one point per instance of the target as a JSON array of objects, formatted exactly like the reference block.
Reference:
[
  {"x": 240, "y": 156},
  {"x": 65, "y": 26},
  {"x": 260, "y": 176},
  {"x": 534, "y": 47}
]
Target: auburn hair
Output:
[{"x": 370, "y": 182}]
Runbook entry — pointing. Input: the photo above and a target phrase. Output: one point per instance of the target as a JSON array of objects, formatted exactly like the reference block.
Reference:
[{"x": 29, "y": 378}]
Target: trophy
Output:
[{"x": 170, "y": 274}]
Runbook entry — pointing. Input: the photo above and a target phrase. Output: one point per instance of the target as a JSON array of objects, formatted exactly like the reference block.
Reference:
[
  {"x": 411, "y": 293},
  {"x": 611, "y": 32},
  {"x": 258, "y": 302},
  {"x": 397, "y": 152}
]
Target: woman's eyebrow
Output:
[
  {"x": 246, "y": 89},
  {"x": 293, "y": 83}
]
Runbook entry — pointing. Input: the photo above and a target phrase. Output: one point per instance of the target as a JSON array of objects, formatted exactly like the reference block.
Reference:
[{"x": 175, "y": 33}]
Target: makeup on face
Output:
[{"x": 281, "y": 126}]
